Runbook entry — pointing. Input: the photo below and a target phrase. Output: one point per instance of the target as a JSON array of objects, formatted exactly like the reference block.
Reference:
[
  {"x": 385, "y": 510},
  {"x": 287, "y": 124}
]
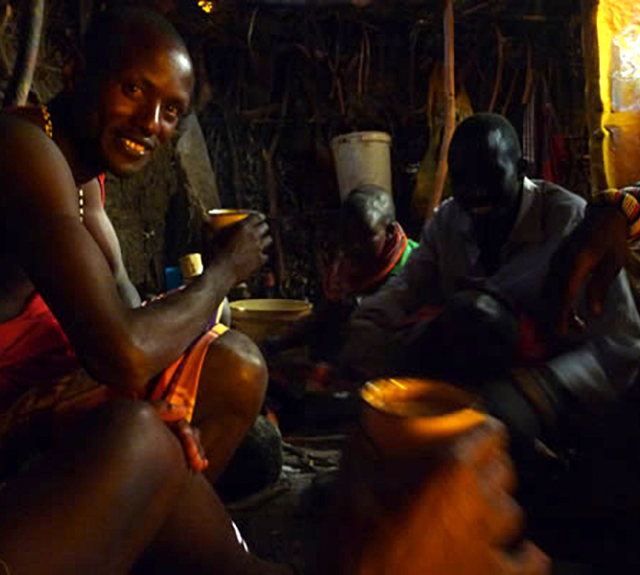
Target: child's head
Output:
[{"x": 367, "y": 220}]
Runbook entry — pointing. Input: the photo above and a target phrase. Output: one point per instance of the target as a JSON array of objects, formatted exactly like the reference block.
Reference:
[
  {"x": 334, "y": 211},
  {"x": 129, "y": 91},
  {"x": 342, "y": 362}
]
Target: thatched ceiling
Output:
[
  {"x": 476, "y": 13},
  {"x": 465, "y": 7}
]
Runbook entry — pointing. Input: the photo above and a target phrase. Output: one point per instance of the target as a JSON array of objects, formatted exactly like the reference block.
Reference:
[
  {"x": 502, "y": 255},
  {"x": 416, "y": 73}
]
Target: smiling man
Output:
[
  {"x": 135, "y": 80},
  {"x": 75, "y": 339},
  {"x": 469, "y": 304}
]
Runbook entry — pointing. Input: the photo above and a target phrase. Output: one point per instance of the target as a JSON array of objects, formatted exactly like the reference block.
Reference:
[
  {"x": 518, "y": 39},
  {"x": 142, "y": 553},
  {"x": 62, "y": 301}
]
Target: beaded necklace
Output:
[{"x": 48, "y": 129}]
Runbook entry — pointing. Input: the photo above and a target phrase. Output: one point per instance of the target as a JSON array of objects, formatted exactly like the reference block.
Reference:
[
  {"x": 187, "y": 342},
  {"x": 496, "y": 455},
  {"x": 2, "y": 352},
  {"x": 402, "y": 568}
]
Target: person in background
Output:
[
  {"x": 592, "y": 256},
  {"x": 372, "y": 248},
  {"x": 582, "y": 270},
  {"x": 469, "y": 305}
]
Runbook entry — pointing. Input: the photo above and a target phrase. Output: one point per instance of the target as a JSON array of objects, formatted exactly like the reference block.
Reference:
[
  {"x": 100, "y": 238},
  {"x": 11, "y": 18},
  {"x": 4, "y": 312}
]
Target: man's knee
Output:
[
  {"x": 236, "y": 370},
  {"x": 139, "y": 436}
]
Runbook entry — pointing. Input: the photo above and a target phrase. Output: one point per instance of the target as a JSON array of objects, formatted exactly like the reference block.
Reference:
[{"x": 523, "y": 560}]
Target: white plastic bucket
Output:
[{"x": 362, "y": 158}]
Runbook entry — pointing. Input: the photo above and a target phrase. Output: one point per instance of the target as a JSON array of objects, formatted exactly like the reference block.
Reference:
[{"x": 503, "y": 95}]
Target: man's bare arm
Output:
[
  {"x": 118, "y": 345},
  {"x": 388, "y": 319},
  {"x": 590, "y": 257},
  {"x": 101, "y": 228}
]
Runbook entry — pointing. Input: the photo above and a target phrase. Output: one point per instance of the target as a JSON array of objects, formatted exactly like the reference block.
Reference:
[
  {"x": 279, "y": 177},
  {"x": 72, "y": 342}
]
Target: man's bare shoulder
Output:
[
  {"x": 17, "y": 122},
  {"x": 21, "y": 138},
  {"x": 32, "y": 167}
]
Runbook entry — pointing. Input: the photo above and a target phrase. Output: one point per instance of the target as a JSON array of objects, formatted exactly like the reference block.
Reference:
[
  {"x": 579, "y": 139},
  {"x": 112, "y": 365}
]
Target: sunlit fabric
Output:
[{"x": 618, "y": 27}]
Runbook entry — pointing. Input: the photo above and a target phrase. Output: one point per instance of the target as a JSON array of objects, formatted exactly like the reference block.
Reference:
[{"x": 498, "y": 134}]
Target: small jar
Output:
[{"x": 191, "y": 267}]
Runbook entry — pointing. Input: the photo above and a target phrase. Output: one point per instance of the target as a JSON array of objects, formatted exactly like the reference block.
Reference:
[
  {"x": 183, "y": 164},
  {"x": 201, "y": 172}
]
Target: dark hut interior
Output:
[
  {"x": 284, "y": 78},
  {"x": 277, "y": 80}
]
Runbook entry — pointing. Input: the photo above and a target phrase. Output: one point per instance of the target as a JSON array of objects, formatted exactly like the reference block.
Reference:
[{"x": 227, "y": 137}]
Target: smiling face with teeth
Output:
[{"x": 139, "y": 101}]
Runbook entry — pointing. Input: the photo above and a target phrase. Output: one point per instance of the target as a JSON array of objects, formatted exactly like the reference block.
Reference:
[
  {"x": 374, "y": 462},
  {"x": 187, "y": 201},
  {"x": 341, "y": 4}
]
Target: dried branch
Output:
[
  {"x": 261, "y": 113},
  {"x": 27, "y": 58},
  {"x": 361, "y": 68},
  {"x": 509, "y": 98},
  {"x": 500, "y": 41},
  {"x": 272, "y": 187},
  {"x": 414, "y": 36},
  {"x": 450, "y": 108},
  {"x": 4, "y": 19},
  {"x": 235, "y": 161},
  {"x": 367, "y": 69},
  {"x": 336, "y": 86},
  {"x": 364, "y": 63},
  {"x": 528, "y": 82},
  {"x": 252, "y": 23},
  {"x": 480, "y": 7}
]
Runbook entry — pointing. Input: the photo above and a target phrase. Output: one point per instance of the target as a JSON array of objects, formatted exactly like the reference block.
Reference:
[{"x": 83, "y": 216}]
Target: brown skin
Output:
[
  {"x": 362, "y": 241},
  {"x": 78, "y": 269},
  {"x": 366, "y": 222},
  {"x": 487, "y": 180},
  {"x": 81, "y": 274},
  {"x": 591, "y": 256},
  {"x": 75, "y": 273},
  {"x": 153, "y": 516},
  {"x": 231, "y": 393},
  {"x": 364, "y": 230}
]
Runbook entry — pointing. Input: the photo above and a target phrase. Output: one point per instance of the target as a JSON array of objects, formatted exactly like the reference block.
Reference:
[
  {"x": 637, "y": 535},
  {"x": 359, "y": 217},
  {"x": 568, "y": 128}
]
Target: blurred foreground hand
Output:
[{"x": 452, "y": 513}]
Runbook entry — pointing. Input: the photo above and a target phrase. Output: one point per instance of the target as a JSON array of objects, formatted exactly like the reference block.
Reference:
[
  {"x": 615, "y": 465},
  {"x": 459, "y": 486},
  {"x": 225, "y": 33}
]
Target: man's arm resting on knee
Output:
[{"x": 118, "y": 345}]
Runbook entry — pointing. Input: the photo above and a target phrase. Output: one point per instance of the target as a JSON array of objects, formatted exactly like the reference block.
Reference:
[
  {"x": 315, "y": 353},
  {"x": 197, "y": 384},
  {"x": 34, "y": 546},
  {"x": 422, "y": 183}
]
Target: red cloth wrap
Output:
[
  {"x": 35, "y": 350},
  {"x": 343, "y": 279}
]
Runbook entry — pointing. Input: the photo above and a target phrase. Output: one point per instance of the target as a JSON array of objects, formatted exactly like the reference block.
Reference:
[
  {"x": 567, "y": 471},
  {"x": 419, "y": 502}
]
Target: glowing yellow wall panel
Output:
[{"x": 619, "y": 41}]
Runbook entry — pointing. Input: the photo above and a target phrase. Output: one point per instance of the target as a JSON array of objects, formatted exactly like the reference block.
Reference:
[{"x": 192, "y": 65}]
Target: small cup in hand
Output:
[{"x": 221, "y": 219}]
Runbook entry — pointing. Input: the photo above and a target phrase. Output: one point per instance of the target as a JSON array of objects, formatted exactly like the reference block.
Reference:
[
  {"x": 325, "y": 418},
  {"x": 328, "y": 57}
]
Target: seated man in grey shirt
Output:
[{"x": 468, "y": 307}]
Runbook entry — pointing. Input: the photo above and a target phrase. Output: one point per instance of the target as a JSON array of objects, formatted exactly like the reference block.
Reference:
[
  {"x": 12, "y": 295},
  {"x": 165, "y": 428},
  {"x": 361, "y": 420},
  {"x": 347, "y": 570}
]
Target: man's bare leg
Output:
[
  {"x": 95, "y": 503},
  {"x": 231, "y": 392},
  {"x": 198, "y": 538},
  {"x": 116, "y": 497}
]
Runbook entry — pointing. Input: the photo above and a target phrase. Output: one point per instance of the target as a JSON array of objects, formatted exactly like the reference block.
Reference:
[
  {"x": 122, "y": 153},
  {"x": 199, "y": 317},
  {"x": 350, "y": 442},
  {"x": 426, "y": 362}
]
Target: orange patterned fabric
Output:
[
  {"x": 178, "y": 384},
  {"x": 37, "y": 354}
]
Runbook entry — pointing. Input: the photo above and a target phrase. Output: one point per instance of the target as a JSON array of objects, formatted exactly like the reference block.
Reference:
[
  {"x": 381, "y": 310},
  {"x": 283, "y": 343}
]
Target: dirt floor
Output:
[{"x": 283, "y": 521}]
